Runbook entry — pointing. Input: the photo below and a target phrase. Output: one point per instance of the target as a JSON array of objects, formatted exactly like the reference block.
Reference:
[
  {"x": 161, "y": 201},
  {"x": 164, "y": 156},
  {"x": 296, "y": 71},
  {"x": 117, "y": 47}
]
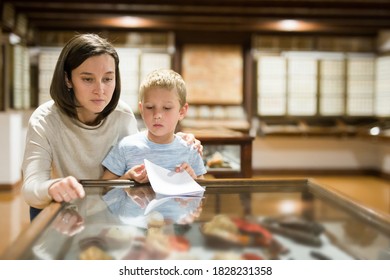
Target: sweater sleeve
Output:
[{"x": 36, "y": 166}]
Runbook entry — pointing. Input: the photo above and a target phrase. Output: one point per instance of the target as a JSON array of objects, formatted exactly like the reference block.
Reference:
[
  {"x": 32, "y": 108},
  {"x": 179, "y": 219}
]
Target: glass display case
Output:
[
  {"x": 234, "y": 219},
  {"x": 227, "y": 153},
  {"x": 219, "y": 158}
]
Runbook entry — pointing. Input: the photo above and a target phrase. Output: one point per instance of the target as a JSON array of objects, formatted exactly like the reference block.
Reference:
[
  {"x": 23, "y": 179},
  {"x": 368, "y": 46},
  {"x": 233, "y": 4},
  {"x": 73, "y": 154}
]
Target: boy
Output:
[{"x": 162, "y": 104}]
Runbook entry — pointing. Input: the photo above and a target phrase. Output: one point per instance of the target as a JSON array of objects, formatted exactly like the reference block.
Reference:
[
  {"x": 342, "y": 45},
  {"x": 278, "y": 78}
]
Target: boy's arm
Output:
[
  {"x": 136, "y": 173},
  {"x": 108, "y": 175}
]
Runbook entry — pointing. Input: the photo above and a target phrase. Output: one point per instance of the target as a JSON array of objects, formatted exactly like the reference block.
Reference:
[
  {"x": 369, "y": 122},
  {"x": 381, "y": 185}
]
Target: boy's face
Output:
[{"x": 161, "y": 111}]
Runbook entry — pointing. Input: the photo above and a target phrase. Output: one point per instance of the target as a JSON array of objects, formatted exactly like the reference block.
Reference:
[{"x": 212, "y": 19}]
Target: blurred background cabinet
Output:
[{"x": 322, "y": 72}]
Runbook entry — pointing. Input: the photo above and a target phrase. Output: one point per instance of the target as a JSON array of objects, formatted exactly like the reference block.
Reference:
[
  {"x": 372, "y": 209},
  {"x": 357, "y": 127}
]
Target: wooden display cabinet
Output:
[{"x": 233, "y": 146}]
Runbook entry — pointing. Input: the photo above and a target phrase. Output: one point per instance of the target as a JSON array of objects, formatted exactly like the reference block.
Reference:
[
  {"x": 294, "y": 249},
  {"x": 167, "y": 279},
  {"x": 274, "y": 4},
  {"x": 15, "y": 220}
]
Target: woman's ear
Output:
[{"x": 68, "y": 82}]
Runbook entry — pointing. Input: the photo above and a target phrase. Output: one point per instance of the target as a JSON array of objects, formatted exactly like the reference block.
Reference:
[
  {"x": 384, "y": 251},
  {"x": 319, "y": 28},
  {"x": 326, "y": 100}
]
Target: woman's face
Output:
[{"x": 93, "y": 84}]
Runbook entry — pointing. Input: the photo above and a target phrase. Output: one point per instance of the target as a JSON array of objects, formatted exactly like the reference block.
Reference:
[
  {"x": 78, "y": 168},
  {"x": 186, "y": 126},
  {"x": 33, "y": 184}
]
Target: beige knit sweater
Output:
[{"x": 58, "y": 146}]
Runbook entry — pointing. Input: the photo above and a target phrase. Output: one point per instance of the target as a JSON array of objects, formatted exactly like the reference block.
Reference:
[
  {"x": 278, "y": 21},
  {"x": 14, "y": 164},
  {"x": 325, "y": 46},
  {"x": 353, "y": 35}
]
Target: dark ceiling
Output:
[{"x": 356, "y": 17}]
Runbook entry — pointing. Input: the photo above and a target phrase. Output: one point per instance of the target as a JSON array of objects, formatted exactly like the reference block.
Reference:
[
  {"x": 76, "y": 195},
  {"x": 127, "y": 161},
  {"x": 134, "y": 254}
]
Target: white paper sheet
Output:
[{"x": 167, "y": 182}]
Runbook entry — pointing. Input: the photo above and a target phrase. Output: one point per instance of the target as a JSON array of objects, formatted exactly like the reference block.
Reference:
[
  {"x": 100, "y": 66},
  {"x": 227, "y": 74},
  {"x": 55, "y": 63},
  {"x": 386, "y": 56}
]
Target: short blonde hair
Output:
[{"x": 166, "y": 79}]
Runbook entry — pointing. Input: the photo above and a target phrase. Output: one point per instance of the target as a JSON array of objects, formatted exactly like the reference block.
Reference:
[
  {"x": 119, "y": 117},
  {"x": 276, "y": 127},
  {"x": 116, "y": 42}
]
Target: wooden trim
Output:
[
  {"x": 385, "y": 176},
  {"x": 377, "y": 218},
  {"x": 26, "y": 239},
  {"x": 10, "y": 187},
  {"x": 316, "y": 172}
]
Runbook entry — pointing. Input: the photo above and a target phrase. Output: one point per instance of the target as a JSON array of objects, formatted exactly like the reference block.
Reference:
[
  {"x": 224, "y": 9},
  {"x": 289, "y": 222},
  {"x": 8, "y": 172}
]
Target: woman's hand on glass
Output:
[{"x": 66, "y": 189}]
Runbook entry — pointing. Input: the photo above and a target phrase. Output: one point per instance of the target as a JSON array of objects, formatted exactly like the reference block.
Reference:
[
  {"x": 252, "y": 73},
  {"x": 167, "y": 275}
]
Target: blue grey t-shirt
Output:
[{"x": 133, "y": 149}]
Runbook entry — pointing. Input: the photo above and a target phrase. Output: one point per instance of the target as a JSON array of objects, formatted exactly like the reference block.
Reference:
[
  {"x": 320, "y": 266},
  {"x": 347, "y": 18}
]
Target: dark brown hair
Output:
[{"x": 74, "y": 53}]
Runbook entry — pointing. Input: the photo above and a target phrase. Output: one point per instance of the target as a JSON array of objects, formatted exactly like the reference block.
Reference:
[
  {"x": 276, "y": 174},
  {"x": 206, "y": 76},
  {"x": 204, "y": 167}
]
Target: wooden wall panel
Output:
[{"x": 213, "y": 73}]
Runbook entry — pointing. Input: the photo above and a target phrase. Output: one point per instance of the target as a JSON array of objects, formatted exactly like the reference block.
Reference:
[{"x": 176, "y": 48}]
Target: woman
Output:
[{"x": 68, "y": 137}]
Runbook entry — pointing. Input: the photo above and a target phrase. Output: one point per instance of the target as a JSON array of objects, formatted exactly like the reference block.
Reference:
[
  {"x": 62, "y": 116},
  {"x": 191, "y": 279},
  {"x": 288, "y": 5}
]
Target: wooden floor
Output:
[{"x": 372, "y": 191}]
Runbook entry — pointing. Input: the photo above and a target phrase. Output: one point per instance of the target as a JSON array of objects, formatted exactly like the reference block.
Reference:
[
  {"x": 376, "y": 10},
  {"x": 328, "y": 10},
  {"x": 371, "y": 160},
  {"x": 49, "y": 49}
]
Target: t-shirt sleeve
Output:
[
  {"x": 197, "y": 163},
  {"x": 115, "y": 161}
]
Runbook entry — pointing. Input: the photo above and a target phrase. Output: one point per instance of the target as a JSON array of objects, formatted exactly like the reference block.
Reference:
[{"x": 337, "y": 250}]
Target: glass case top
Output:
[{"x": 233, "y": 219}]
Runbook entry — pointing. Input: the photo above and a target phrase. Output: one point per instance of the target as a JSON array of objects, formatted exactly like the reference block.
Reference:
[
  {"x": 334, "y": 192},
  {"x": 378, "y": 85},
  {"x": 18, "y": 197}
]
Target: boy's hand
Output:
[
  {"x": 185, "y": 166},
  {"x": 138, "y": 173}
]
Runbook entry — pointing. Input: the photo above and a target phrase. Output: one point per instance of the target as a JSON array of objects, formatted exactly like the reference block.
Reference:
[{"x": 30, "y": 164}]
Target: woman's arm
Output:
[
  {"x": 39, "y": 188},
  {"x": 36, "y": 168}
]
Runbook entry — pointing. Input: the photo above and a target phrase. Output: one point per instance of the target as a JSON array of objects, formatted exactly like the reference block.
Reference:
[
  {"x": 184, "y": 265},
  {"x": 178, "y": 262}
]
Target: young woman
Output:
[{"x": 68, "y": 137}]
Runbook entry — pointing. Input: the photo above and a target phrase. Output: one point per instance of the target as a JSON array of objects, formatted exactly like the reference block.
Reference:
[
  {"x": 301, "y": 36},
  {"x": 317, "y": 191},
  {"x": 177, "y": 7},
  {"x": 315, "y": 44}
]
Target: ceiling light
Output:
[{"x": 289, "y": 25}]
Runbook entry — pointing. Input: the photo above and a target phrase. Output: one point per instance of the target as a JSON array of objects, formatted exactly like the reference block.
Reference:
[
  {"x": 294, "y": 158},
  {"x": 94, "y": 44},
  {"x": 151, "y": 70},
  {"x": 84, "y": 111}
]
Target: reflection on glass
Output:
[
  {"x": 242, "y": 222},
  {"x": 142, "y": 208}
]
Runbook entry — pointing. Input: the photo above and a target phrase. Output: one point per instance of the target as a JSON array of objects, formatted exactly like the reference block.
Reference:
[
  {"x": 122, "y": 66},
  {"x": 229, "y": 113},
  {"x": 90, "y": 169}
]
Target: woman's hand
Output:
[
  {"x": 66, "y": 190},
  {"x": 191, "y": 140}
]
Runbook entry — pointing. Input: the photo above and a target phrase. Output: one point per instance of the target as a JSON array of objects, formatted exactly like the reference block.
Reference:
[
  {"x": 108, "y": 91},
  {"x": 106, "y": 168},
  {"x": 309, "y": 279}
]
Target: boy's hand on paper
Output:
[
  {"x": 171, "y": 183},
  {"x": 138, "y": 173},
  {"x": 185, "y": 166}
]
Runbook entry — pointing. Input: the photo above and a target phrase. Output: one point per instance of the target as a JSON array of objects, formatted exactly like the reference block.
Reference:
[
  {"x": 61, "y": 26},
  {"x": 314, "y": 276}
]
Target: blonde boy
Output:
[{"x": 162, "y": 104}]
